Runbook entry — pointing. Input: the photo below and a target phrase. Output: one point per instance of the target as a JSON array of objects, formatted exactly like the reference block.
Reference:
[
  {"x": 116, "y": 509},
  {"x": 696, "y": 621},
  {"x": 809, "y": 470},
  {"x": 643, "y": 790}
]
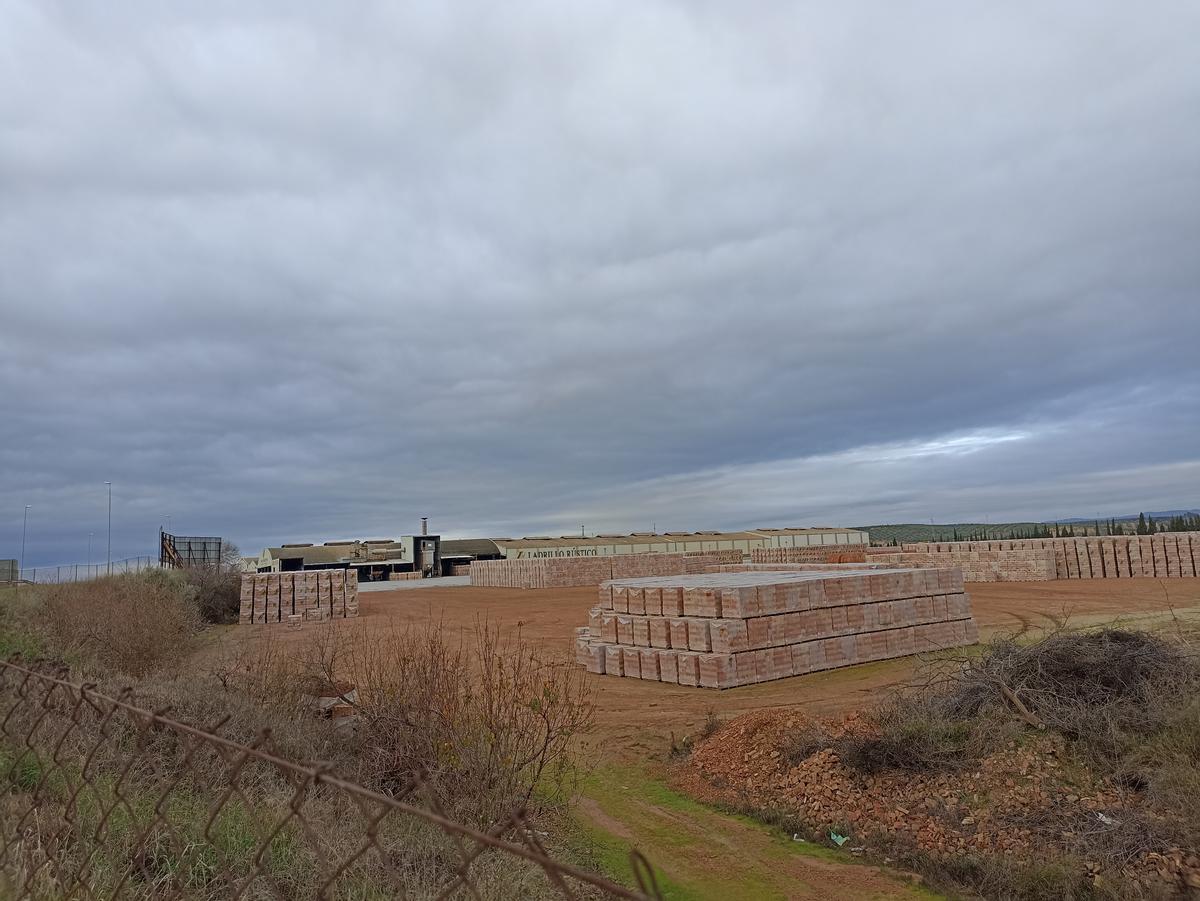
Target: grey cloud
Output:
[{"x": 292, "y": 273}]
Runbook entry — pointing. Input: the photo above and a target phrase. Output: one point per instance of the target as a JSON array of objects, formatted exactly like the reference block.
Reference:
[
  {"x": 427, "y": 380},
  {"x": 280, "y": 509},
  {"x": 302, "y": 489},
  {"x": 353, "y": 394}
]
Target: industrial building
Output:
[
  {"x": 653, "y": 543},
  {"x": 377, "y": 559},
  {"x": 374, "y": 559}
]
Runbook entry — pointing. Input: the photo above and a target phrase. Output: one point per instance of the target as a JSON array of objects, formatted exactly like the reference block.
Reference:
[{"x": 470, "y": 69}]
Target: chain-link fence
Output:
[
  {"x": 82, "y": 572},
  {"x": 105, "y": 799}
]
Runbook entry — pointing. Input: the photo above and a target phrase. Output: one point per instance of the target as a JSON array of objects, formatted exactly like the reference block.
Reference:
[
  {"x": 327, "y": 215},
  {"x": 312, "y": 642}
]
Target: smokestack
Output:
[{"x": 424, "y": 525}]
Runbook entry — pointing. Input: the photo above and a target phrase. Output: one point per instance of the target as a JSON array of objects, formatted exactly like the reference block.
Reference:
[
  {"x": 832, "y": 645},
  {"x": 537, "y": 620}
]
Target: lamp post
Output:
[
  {"x": 24, "y": 526},
  {"x": 109, "y": 484}
]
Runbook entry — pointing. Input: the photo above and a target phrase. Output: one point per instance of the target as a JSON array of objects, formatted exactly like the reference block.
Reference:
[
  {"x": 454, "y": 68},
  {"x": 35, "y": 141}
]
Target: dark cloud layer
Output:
[{"x": 291, "y": 271}]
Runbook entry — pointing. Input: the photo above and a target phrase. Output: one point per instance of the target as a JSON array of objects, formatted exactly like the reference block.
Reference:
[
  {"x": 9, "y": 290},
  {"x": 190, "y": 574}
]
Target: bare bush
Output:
[
  {"x": 487, "y": 720},
  {"x": 132, "y": 624},
  {"x": 216, "y": 592},
  {"x": 1104, "y": 690}
]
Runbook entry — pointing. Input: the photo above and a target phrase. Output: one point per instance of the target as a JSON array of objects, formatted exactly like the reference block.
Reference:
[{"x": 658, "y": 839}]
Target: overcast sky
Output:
[{"x": 303, "y": 271}]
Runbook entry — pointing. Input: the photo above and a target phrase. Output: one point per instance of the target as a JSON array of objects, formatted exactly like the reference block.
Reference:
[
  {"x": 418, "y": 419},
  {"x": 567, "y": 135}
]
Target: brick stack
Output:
[
  {"x": 1023, "y": 565},
  {"x": 816, "y": 553},
  {"x": 726, "y": 629},
  {"x": 297, "y": 597},
  {"x": 1165, "y": 555},
  {"x": 573, "y": 572},
  {"x": 405, "y": 576}
]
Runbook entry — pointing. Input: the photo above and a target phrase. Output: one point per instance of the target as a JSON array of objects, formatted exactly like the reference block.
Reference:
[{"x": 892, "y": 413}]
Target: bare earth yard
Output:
[{"x": 705, "y": 853}]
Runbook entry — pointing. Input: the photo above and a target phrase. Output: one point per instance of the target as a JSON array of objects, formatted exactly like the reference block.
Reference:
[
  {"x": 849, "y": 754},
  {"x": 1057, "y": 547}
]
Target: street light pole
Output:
[
  {"x": 21, "y": 565},
  {"x": 109, "y": 484}
]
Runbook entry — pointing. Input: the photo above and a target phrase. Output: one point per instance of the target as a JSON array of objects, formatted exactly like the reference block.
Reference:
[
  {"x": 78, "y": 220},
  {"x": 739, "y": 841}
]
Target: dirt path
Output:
[{"x": 700, "y": 853}]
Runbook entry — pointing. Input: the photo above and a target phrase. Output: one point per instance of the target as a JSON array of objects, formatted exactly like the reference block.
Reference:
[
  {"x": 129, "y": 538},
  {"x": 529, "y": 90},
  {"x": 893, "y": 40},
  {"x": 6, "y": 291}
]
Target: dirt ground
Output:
[
  {"x": 641, "y": 716},
  {"x": 700, "y": 852}
]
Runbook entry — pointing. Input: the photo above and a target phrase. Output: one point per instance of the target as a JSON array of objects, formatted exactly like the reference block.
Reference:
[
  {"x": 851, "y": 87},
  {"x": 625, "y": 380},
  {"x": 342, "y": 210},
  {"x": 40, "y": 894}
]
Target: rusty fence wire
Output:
[{"x": 102, "y": 798}]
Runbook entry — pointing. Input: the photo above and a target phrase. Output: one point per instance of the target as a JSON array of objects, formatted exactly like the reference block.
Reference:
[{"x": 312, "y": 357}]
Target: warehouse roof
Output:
[
  {"x": 662, "y": 537},
  {"x": 311, "y": 554},
  {"x": 474, "y": 547}
]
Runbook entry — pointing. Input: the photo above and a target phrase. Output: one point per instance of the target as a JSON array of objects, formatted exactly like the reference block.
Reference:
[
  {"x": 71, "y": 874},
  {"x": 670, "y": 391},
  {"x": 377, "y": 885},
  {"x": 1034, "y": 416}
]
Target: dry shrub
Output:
[
  {"x": 913, "y": 732},
  {"x": 216, "y": 592},
  {"x": 486, "y": 719},
  {"x": 1105, "y": 690},
  {"x": 130, "y": 624}
]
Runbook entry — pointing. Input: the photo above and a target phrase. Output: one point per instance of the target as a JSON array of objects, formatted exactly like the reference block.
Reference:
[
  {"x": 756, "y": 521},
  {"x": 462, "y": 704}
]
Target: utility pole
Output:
[
  {"x": 90, "y": 534},
  {"x": 21, "y": 565},
  {"x": 109, "y": 484}
]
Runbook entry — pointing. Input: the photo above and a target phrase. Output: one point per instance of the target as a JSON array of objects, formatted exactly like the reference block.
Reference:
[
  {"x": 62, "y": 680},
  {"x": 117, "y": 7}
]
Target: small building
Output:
[{"x": 374, "y": 559}]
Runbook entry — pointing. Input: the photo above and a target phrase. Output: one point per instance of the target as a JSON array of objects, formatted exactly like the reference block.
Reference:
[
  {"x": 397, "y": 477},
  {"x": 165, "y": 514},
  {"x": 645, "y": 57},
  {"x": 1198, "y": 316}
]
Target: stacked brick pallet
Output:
[
  {"x": 828, "y": 553},
  {"x": 1023, "y": 565},
  {"x": 1162, "y": 556},
  {"x": 726, "y": 629},
  {"x": 573, "y": 572},
  {"x": 297, "y": 597}
]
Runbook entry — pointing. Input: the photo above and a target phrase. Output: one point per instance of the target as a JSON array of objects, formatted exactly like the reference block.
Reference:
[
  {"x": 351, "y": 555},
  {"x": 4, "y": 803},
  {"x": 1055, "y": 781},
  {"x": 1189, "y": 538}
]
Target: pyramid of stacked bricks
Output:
[
  {"x": 721, "y": 630},
  {"x": 1161, "y": 556},
  {"x": 572, "y": 572},
  {"x": 292, "y": 597}
]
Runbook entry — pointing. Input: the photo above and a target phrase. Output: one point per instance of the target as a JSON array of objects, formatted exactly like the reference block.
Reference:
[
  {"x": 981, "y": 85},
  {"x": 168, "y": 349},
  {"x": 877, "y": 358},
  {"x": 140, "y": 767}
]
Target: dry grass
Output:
[
  {"x": 488, "y": 720},
  {"x": 130, "y": 624},
  {"x": 484, "y": 719}
]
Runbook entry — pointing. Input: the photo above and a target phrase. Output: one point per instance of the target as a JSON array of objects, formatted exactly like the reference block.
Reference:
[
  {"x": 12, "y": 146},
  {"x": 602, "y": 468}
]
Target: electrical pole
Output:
[
  {"x": 21, "y": 565},
  {"x": 109, "y": 484}
]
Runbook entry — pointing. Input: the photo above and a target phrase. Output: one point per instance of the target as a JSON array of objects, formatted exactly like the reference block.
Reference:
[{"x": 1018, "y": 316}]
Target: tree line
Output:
[{"x": 1145, "y": 525}]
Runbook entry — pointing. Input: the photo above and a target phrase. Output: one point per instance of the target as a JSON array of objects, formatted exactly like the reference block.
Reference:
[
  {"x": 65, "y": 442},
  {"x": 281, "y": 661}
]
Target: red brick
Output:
[
  {"x": 698, "y": 637},
  {"x": 631, "y": 659},
  {"x": 717, "y": 671},
  {"x": 637, "y": 601},
  {"x": 660, "y": 632},
  {"x": 679, "y": 632},
  {"x": 649, "y": 664},
  {"x": 653, "y": 600},
  {"x": 613, "y": 660},
  {"x": 668, "y": 666},
  {"x": 621, "y": 598},
  {"x": 641, "y": 631},
  {"x": 758, "y": 632},
  {"x": 729, "y": 635},
  {"x": 689, "y": 668},
  {"x": 672, "y": 601}
]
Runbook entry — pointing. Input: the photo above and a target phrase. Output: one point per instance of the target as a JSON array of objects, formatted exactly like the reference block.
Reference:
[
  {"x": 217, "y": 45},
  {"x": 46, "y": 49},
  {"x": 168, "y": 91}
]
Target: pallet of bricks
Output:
[
  {"x": 298, "y": 597},
  {"x": 1162, "y": 556},
  {"x": 727, "y": 629},
  {"x": 576, "y": 572},
  {"x": 813, "y": 553}
]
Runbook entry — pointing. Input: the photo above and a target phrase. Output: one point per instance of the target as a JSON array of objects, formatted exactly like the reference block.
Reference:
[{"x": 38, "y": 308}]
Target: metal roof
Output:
[
  {"x": 473, "y": 547},
  {"x": 663, "y": 537}
]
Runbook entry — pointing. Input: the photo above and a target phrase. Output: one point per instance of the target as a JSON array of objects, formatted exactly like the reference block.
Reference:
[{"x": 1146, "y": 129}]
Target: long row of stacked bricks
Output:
[
  {"x": 299, "y": 597},
  {"x": 574, "y": 572},
  {"x": 1167, "y": 555},
  {"x": 726, "y": 629}
]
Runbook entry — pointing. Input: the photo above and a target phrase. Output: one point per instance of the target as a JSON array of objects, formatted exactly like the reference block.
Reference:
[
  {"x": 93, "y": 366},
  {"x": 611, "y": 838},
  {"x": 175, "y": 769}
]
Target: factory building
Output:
[
  {"x": 374, "y": 559},
  {"x": 670, "y": 542}
]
